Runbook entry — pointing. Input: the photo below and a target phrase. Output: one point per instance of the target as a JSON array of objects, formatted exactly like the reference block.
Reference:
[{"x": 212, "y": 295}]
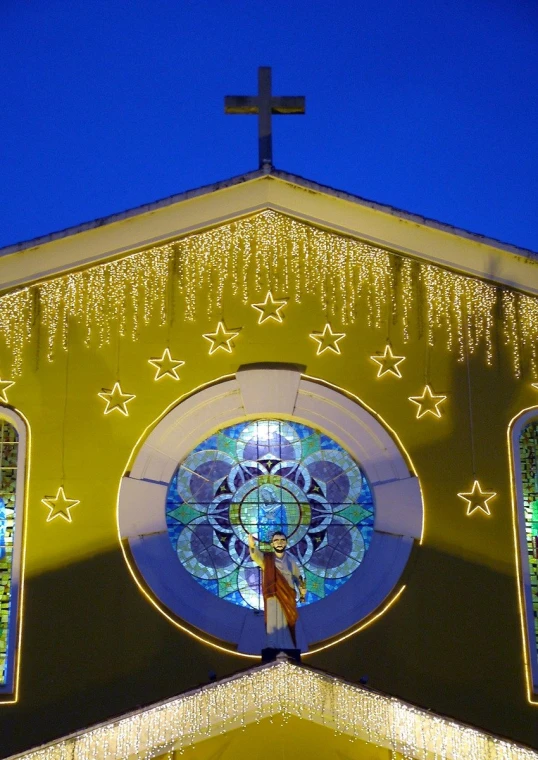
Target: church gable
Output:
[{"x": 185, "y": 366}]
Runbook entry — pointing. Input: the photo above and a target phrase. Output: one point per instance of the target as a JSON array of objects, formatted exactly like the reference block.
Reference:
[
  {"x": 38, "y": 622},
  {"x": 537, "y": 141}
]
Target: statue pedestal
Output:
[{"x": 270, "y": 655}]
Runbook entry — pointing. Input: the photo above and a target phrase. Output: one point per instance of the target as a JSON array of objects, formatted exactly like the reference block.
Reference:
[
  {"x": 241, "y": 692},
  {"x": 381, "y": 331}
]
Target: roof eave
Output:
[{"x": 267, "y": 173}]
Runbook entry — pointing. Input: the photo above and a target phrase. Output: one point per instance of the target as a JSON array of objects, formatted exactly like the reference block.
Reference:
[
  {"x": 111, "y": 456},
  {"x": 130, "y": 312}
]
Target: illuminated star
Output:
[
  {"x": 388, "y": 362},
  {"x": 427, "y": 403},
  {"x": 269, "y": 309},
  {"x": 166, "y": 365},
  {"x": 116, "y": 400},
  {"x": 327, "y": 340},
  {"x": 221, "y": 338},
  {"x": 477, "y": 499},
  {"x": 4, "y": 386},
  {"x": 59, "y": 505}
]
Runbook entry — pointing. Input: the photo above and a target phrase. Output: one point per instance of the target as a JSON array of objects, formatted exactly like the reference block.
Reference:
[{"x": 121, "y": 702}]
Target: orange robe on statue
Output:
[{"x": 280, "y": 579}]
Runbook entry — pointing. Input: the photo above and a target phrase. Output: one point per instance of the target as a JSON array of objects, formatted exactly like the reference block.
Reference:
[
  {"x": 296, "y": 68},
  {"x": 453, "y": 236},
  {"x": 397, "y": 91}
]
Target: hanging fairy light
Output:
[
  {"x": 282, "y": 689},
  {"x": 268, "y": 251}
]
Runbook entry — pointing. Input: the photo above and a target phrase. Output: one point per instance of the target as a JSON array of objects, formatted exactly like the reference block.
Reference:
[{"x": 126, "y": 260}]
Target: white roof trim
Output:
[
  {"x": 293, "y": 179},
  {"x": 340, "y": 213}
]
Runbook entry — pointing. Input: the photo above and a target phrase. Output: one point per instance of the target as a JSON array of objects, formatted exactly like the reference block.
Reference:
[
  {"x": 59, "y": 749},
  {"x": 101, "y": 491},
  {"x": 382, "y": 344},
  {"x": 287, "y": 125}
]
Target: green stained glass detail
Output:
[
  {"x": 262, "y": 476},
  {"x": 8, "y": 476},
  {"x": 354, "y": 513},
  {"x": 315, "y": 583},
  {"x": 310, "y": 445},
  {"x": 528, "y": 453},
  {"x": 184, "y": 513},
  {"x": 228, "y": 584}
]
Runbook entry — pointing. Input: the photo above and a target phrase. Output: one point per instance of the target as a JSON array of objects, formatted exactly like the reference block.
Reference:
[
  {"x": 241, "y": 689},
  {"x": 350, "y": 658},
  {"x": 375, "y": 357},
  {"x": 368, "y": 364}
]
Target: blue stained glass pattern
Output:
[{"x": 264, "y": 476}]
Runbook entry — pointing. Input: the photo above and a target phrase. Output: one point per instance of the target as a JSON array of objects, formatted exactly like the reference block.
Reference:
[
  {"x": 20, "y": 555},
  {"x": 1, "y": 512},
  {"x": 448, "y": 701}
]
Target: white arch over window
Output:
[
  {"x": 527, "y": 579},
  {"x": 12, "y": 580},
  {"x": 262, "y": 391}
]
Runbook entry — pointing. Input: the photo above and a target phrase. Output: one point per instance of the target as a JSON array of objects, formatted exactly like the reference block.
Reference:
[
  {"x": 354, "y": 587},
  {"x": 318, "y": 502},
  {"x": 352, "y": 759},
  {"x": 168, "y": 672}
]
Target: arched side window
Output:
[
  {"x": 12, "y": 467},
  {"x": 525, "y": 466}
]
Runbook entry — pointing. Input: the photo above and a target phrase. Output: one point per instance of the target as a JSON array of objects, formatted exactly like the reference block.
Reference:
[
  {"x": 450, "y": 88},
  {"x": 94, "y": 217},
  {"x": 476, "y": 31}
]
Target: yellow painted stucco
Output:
[{"x": 277, "y": 738}]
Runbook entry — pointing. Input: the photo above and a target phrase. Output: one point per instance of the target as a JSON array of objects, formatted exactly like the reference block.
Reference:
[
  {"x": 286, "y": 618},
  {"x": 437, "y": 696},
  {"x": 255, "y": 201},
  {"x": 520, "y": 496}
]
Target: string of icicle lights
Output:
[
  {"x": 282, "y": 689},
  {"x": 270, "y": 251}
]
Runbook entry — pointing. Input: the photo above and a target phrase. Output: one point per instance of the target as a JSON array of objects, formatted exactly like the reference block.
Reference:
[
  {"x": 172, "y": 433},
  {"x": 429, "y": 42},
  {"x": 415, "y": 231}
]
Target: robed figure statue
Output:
[{"x": 281, "y": 578}]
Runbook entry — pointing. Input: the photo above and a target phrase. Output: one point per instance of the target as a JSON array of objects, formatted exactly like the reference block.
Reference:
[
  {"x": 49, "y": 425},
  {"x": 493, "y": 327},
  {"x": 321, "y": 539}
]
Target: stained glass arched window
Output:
[
  {"x": 528, "y": 487},
  {"x": 10, "y": 550},
  {"x": 264, "y": 476}
]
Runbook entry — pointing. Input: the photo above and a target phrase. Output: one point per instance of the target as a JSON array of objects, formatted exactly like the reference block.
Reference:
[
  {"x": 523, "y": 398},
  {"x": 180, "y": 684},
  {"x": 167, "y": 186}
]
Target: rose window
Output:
[{"x": 264, "y": 476}]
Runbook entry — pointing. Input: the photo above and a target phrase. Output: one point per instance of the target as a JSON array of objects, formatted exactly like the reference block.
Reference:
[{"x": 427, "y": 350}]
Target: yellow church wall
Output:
[
  {"x": 281, "y": 738},
  {"x": 93, "y": 646}
]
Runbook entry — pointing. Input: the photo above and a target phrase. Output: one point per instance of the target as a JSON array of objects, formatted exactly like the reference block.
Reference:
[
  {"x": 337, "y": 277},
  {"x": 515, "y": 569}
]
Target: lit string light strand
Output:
[
  {"x": 269, "y": 251},
  {"x": 282, "y": 689}
]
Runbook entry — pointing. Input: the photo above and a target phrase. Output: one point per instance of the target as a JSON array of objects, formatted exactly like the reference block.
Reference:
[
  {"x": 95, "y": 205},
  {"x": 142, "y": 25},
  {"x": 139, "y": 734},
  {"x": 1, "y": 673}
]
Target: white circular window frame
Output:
[{"x": 264, "y": 391}]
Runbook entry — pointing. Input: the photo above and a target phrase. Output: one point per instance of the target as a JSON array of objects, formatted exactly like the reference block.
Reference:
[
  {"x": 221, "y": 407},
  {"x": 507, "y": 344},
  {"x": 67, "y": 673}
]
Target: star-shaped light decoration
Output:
[
  {"x": 270, "y": 309},
  {"x": 116, "y": 399},
  {"x": 221, "y": 338},
  {"x": 59, "y": 505},
  {"x": 428, "y": 403},
  {"x": 388, "y": 363},
  {"x": 166, "y": 366},
  {"x": 4, "y": 386},
  {"x": 327, "y": 340},
  {"x": 476, "y": 498}
]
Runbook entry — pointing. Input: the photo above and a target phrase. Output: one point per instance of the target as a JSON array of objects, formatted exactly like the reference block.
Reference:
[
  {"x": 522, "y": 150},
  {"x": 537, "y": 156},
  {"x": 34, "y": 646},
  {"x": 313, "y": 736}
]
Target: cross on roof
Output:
[{"x": 264, "y": 104}]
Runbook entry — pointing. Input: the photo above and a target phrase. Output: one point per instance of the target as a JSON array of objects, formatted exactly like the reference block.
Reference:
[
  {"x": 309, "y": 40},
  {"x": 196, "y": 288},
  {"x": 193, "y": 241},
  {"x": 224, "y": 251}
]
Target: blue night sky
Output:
[{"x": 429, "y": 106}]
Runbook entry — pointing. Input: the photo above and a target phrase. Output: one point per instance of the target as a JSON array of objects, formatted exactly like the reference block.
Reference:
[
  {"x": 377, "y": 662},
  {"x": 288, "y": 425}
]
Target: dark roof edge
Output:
[
  {"x": 135, "y": 211},
  {"x": 278, "y": 174},
  {"x": 407, "y": 215}
]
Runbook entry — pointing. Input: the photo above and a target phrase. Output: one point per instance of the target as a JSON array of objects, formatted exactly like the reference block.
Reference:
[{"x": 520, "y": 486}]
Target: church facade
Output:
[{"x": 268, "y": 355}]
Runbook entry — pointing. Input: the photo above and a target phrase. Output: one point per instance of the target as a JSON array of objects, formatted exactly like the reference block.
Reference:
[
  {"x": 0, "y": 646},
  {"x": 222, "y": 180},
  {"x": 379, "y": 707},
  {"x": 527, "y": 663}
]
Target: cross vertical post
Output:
[
  {"x": 264, "y": 105},
  {"x": 265, "y": 137}
]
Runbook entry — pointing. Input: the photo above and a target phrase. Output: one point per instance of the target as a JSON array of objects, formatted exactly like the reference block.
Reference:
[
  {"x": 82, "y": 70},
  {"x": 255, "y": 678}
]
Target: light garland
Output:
[
  {"x": 270, "y": 309},
  {"x": 5, "y": 385},
  {"x": 222, "y": 339},
  {"x": 327, "y": 340},
  {"x": 277, "y": 254},
  {"x": 282, "y": 689},
  {"x": 388, "y": 362},
  {"x": 428, "y": 403},
  {"x": 477, "y": 499},
  {"x": 166, "y": 366},
  {"x": 59, "y": 505},
  {"x": 116, "y": 400}
]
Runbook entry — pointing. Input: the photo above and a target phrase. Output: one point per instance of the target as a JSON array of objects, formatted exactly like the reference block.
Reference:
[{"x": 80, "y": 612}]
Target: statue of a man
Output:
[{"x": 280, "y": 579}]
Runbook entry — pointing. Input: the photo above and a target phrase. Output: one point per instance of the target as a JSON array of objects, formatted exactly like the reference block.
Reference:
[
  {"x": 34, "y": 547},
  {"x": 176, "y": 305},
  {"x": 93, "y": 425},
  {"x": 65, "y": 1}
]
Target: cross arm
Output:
[
  {"x": 240, "y": 104},
  {"x": 288, "y": 104}
]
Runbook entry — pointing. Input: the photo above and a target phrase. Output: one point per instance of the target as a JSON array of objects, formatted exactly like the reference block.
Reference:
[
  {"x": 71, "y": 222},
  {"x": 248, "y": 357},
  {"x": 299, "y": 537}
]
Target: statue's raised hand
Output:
[{"x": 251, "y": 541}]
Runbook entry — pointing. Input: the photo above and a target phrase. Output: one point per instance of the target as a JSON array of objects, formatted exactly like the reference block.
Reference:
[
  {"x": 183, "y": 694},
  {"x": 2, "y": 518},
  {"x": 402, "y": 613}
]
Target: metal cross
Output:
[{"x": 264, "y": 104}]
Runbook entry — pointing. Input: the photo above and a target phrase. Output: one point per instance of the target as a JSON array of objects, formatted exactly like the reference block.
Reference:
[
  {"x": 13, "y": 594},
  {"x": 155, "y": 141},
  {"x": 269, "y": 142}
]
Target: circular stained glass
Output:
[{"x": 260, "y": 477}]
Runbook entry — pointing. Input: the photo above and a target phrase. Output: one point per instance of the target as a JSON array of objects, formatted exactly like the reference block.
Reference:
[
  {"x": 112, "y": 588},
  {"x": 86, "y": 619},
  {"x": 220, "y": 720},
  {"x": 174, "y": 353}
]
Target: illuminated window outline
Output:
[
  {"x": 8, "y": 691},
  {"x": 530, "y": 648},
  {"x": 259, "y": 391}
]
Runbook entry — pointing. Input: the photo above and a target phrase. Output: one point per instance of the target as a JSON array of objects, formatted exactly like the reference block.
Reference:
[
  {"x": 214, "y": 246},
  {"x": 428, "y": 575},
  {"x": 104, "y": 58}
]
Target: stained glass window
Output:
[
  {"x": 8, "y": 474},
  {"x": 264, "y": 476},
  {"x": 528, "y": 453}
]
